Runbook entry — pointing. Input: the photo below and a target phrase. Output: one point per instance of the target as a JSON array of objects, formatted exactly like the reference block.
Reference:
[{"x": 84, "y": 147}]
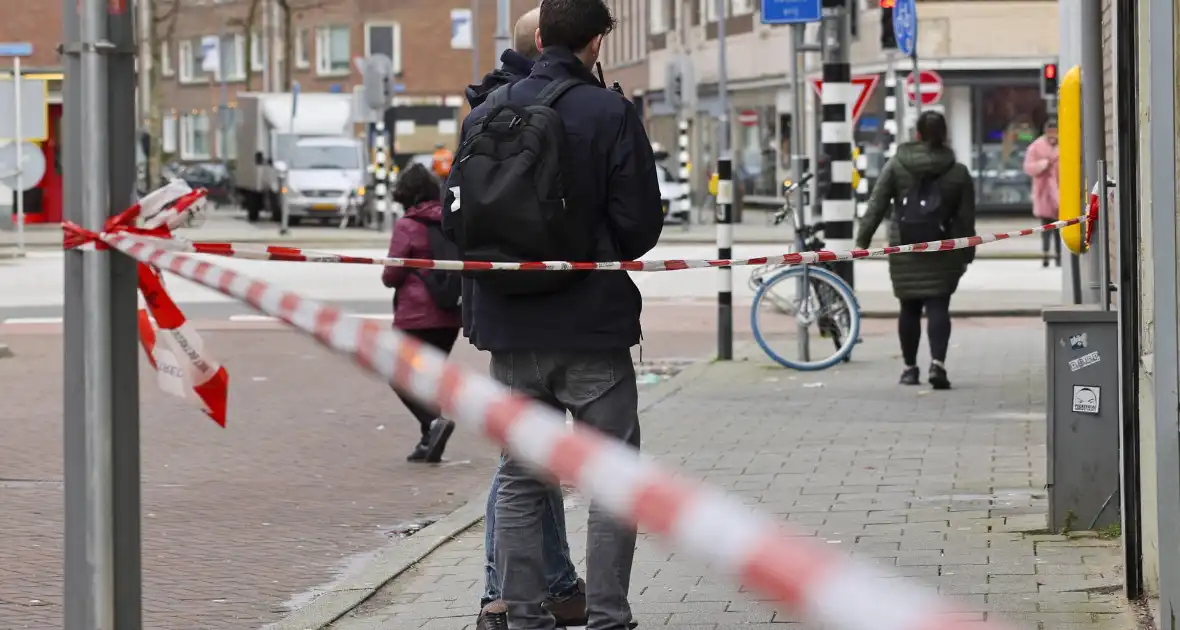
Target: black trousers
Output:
[
  {"x": 938, "y": 327},
  {"x": 443, "y": 339},
  {"x": 1055, "y": 239}
]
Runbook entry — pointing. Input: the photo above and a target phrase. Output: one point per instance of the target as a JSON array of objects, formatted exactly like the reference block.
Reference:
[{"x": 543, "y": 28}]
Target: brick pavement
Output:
[
  {"x": 309, "y": 475},
  {"x": 945, "y": 488}
]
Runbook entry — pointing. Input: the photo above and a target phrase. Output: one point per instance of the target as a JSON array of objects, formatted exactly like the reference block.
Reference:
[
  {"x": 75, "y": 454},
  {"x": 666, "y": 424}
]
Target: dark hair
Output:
[
  {"x": 573, "y": 24},
  {"x": 416, "y": 185},
  {"x": 932, "y": 129}
]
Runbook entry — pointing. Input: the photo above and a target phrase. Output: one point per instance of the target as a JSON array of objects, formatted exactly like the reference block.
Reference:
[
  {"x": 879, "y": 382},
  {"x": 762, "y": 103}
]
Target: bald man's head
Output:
[{"x": 524, "y": 40}]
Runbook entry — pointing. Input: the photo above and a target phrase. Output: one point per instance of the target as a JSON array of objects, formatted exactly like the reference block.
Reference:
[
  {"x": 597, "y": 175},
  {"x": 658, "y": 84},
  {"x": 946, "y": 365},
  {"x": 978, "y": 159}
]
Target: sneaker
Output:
[
  {"x": 494, "y": 616},
  {"x": 938, "y": 378},
  {"x": 419, "y": 453},
  {"x": 436, "y": 440},
  {"x": 910, "y": 376},
  {"x": 571, "y": 610}
]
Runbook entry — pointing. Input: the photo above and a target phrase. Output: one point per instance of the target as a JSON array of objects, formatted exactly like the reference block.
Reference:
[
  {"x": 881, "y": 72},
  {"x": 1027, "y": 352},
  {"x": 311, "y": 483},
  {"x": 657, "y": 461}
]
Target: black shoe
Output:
[
  {"x": 419, "y": 453},
  {"x": 910, "y": 376},
  {"x": 436, "y": 440},
  {"x": 1045, "y": 262},
  {"x": 569, "y": 611},
  {"x": 494, "y": 616},
  {"x": 938, "y": 378}
]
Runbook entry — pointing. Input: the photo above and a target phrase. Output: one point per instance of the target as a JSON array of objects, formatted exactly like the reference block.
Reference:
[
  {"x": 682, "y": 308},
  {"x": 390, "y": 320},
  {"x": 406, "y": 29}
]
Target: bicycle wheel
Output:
[{"x": 778, "y": 316}]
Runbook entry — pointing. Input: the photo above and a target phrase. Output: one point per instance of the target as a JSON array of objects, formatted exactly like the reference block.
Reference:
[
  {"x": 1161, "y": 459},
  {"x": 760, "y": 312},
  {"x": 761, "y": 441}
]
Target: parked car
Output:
[
  {"x": 675, "y": 196},
  {"x": 212, "y": 176}
]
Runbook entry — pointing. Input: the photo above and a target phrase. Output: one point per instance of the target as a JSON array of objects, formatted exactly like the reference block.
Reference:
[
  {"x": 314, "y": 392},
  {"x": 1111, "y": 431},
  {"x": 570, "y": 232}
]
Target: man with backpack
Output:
[
  {"x": 558, "y": 167},
  {"x": 931, "y": 197},
  {"x": 567, "y": 593}
]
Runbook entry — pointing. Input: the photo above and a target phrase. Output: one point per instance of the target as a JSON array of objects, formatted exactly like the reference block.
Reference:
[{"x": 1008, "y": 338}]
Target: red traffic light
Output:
[
  {"x": 1050, "y": 70},
  {"x": 887, "y": 4}
]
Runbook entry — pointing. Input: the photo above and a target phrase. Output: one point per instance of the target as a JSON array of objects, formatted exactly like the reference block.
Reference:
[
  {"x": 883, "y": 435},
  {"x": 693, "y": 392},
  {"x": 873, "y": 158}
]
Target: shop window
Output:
[
  {"x": 757, "y": 154},
  {"x": 1009, "y": 119}
]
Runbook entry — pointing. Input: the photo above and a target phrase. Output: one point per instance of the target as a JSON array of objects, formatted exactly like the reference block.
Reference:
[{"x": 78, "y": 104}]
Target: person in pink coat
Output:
[{"x": 1040, "y": 162}]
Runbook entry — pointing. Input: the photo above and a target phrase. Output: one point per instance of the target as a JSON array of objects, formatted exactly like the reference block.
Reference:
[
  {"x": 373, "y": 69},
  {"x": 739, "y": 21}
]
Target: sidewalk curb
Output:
[
  {"x": 1015, "y": 312},
  {"x": 398, "y": 557}
]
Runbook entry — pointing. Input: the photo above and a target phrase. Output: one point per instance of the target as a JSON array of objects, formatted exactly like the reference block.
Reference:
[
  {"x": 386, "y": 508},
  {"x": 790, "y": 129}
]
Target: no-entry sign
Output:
[
  {"x": 748, "y": 118},
  {"x": 930, "y": 87}
]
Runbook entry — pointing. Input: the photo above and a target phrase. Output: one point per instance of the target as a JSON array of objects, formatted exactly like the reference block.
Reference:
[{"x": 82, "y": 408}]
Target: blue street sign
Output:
[
  {"x": 791, "y": 11},
  {"x": 905, "y": 26},
  {"x": 16, "y": 49}
]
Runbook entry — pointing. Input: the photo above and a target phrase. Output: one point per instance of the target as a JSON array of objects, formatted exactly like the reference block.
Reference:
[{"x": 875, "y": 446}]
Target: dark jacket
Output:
[
  {"x": 917, "y": 276},
  {"x": 413, "y": 307},
  {"x": 514, "y": 67},
  {"x": 615, "y": 177}
]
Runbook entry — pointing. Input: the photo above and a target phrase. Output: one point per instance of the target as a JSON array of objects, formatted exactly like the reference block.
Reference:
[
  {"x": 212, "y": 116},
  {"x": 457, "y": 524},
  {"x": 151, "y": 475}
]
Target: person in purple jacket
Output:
[{"x": 415, "y": 311}]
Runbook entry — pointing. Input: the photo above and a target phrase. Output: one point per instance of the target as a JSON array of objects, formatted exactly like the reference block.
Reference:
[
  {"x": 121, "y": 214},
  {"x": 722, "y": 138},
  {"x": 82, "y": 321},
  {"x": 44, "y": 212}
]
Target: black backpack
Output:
[
  {"x": 445, "y": 287},
  {"x": 512, "y": 197},
  {"x": 922, "y": 214}
]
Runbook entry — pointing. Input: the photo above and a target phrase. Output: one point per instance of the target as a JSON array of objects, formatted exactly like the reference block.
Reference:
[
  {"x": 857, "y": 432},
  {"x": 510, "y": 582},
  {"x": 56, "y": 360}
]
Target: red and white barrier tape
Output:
[
  {"x": 295, "y": 254},
  {"x": 715, "y": 527},
  {"x": 184, "y": 368}
]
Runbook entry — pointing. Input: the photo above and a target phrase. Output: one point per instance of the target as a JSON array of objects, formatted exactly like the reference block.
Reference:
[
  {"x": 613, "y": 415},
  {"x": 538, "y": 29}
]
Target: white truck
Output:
[{"x": 300, "y": 151}]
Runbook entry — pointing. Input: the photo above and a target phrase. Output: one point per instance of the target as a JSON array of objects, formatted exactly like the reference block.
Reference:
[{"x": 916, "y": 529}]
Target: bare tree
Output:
[{"x": 289, "y": 9}]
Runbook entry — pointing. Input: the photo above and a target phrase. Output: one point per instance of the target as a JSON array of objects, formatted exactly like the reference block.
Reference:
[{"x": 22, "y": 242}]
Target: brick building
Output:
[{"x": 325, "y": 36}]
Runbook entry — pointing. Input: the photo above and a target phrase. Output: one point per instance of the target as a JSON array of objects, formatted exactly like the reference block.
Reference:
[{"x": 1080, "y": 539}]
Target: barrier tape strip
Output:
[
  {"x": 716, "y": 528},
  {"x": 295, "y": 254},
  {"x": 173, "y": 347}
]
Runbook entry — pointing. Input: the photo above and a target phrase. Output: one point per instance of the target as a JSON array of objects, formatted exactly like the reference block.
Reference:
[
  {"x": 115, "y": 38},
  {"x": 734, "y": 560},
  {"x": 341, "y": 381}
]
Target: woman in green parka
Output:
[{"x": 924, "y": 281}]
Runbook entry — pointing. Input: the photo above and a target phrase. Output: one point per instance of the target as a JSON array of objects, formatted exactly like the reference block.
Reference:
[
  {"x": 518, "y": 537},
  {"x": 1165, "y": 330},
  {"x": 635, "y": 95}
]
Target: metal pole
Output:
[
  {"x": 917, "y": 102},
  {"x": 89, "y": 479},
  {"x": 724, "y": 201},
  {"x": 503, "y": 30},
  {"x": 223, "y": 100},
  {"x": 684, "y": 158},
  {"x": 123, "y": 330},
  {"x": 381, "y": 173},
  {"x": 1093, "y": 131},
  {"x": 264, "y": 45},
  {"x": 476, "y": 75},
  {"x": 1161, "y": 152},
  {"x": 891, "y": 130},
  {"x": 797, "y": 114},
  {"x": 20, "y": 164},
  {"x": 1103, "y": 235},
  {"x": 838, "y": 96}
]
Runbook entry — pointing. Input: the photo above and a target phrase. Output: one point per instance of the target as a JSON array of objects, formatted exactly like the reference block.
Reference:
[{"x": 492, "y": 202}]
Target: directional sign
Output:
[
  {"x": 16, "y": 49},
  {"x": 929, "y": 86},
  {"x": 867, "y": 83},
  {"x": 905, "y": 26},
  {"x": 791, "y": 11}
]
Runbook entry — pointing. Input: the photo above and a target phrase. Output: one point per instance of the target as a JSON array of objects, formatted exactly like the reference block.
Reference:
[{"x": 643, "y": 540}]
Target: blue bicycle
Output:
[{"x": 789, "y": 301}]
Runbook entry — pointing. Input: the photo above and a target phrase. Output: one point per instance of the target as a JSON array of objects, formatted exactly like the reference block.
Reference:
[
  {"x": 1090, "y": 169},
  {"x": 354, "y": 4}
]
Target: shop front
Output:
[{"x": 992, "y": 116}]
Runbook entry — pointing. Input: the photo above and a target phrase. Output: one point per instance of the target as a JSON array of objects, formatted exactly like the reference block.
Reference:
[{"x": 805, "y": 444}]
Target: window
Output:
[
  {"x": 1008, "y": 119},
  {"x": 325, "y": 156},
  {"x": 385, "y": 38},
  {"x": 302, "y": 46},
  {"x": 332, "y": 50},
  {"x": 709, "y": 11},
  {"x": 746, "y": 7},
  {"x": 169, "y": 134},
  {"x": 623, "y": 34},
  {"x": 166, "y": 68},
  {"x": 257, "y": 52},
  {"x": 194, "y": 137},
  {"x": 189, "y": 61},
  {"x": 227, "y": 145},
  {"x": 232, "y": 52}
]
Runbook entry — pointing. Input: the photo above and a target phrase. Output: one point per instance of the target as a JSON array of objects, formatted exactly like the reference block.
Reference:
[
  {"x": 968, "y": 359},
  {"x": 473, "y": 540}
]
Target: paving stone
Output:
[{"x": 932, "y": 487}]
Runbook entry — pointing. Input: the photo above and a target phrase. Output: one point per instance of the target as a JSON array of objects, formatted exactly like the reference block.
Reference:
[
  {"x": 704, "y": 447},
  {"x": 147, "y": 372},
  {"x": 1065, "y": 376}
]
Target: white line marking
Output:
[
  {"x": 252, "y": 318},
  {"x": 33, "y": 320}
]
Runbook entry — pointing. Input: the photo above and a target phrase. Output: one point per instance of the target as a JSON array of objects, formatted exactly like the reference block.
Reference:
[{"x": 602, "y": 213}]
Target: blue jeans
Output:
[{"x": 560, "y": 573}]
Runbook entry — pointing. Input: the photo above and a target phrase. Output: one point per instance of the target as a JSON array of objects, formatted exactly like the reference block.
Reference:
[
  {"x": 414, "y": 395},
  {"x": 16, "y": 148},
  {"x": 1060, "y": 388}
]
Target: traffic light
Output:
[
  {"x": 888, "y": 39},
  {"x": 1049, "y": 81}
]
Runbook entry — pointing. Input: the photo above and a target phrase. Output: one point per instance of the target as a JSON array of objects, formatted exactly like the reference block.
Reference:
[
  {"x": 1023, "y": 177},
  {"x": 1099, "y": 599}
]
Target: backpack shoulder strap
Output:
[
  {"x": 499, "y": 96},
  {"x": 555, "y": 90}
]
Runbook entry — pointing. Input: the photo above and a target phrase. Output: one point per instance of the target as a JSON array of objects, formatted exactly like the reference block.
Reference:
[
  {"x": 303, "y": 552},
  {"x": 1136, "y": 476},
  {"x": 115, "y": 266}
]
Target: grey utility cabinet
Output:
[{"x": 1082, "y": 416}]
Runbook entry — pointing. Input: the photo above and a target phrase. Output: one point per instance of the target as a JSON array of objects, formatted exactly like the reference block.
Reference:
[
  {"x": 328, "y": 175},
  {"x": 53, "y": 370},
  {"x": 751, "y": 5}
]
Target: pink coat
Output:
[
  {"x": 414, "y": 308},
  {"x": 1040, "y": 162}
]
